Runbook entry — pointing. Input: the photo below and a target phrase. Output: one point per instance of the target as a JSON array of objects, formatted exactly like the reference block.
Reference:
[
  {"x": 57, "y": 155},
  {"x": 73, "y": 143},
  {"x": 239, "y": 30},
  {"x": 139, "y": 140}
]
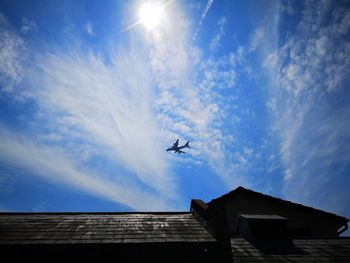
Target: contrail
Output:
[
  {"x": 204, "y": 14},
  {"x": 207, "y": 7}
]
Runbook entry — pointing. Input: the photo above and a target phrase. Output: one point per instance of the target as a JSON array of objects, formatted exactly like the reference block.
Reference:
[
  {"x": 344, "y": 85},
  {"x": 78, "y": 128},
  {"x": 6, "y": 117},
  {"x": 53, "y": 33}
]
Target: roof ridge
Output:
[
  {"x": 96, "y": 213},
  {"x": 241, "y": 189}
]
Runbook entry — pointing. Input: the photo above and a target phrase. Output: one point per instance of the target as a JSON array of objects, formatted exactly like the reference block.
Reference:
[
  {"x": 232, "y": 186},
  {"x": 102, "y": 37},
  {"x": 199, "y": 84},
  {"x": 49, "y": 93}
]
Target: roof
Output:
[
  {"x": 75, "y": 228},
  {"x": 241, "y": 190},
  {"x": 263, "y": 217},
  {"x": 306, "y": 250}
]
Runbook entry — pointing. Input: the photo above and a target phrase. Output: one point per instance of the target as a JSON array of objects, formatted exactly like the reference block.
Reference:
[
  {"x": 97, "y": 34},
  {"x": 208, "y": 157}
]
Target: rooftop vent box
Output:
[{"x": 267, "y": 232}]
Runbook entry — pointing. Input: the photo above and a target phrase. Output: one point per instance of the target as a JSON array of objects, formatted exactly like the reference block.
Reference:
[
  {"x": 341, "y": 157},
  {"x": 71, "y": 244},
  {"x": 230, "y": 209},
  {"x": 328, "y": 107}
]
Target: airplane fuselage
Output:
[{"x": 176, "y": 148}]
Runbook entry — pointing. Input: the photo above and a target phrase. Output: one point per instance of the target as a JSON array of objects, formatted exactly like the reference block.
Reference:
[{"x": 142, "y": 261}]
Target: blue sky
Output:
[{"x": 90, "y": 98}]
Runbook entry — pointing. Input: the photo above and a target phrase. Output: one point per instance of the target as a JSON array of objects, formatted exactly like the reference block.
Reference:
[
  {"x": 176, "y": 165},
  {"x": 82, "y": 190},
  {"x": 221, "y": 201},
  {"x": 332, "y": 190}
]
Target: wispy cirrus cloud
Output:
[
  {"x": 24, "y": 153},
  {"x": 307, "y": 66},
  {"x": 11, "y": 57},
  {"x": 215, "y": 41},
  {"x": 90, "y": 108},
  {"x": 189, "y": 104},
  {"x": 109, "y": 107},
  {"x": 115, "y": 108},
  {"x": 124, "y": 107},
  {"x": 88, "y": 28},
  {"x": 28, "y": 26},
  {"x": 257, "y": 38}
]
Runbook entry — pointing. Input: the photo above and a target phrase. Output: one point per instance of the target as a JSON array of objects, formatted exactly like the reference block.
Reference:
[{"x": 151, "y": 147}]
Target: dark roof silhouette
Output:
[
  {"x": 240, "y": 226},
  {"x": 241, "y": 190}
]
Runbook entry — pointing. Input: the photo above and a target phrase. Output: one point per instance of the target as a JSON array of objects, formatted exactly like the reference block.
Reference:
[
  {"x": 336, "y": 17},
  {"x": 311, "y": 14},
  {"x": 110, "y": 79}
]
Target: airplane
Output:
[{"x": 177, "y": 149}]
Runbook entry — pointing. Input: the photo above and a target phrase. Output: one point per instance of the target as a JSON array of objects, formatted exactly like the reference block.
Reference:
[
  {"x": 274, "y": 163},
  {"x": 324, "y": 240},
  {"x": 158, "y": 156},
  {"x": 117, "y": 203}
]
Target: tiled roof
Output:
[
  {"x": 306, "y": 250},
  {"x": 74, "y": 228}
]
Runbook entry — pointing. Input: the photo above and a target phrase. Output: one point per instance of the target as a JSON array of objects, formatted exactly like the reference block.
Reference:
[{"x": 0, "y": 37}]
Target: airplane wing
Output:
[{"x": 176, "y": 143}]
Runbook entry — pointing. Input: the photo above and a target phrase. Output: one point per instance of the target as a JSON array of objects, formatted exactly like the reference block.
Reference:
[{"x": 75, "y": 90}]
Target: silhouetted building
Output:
[
  {"x": 253, "y": 227},
  {"x": 241, "y": 226}
]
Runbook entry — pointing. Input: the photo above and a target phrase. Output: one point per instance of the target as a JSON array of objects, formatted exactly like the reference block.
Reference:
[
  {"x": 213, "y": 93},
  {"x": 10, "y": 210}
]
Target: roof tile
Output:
[
  {"x": 101, "y": 228},
  {"x": 309, "y": 250}
]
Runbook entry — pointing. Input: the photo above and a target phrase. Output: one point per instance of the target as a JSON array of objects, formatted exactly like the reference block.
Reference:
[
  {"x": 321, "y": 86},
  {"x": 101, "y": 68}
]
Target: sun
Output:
[{"x": 151, "y": 15}]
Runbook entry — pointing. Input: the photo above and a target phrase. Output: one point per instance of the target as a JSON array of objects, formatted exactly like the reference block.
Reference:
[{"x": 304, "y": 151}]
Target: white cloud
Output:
[
  {"x": 215, "y": 41},
  {"x": 189, "y": 106},
  {"x": 88, "y": 28},
  {"x": 308, "y": 68},
  {"x": 107, "y": 106},
  {"x": 206, "y": 9},
  {"x": 342, "y": 17},
  {"x": 28, "y": 26},
  {"x": 220, "y": 73},
  {"x": 23, "y": 153},
  {"x": 11, "y": 57},
  {"x": 113, "y": 110},
  {"x": 318, "y": 160},
  {"x": 127, "y": 110},
  {"x": 287, "y": 175},
  {"x": 257, "y": 38},
  {"x": 271, "y": 61}
]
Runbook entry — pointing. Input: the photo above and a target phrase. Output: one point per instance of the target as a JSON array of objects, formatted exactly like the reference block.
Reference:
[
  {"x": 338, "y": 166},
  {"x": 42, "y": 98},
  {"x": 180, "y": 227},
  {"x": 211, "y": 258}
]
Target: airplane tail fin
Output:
[{"x": 186, "y": 145}]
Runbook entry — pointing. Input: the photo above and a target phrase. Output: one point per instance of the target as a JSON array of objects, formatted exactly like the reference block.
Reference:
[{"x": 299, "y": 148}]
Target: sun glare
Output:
[{"x": 151, "y": 15}]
